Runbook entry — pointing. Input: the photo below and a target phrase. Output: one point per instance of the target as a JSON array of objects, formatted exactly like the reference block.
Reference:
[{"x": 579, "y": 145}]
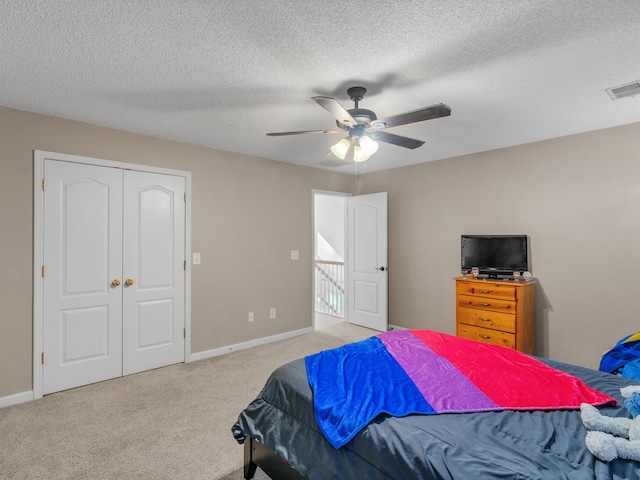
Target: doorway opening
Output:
[
  {"x": 352, "y": 233},
  {"x": 329, "y": 254}
]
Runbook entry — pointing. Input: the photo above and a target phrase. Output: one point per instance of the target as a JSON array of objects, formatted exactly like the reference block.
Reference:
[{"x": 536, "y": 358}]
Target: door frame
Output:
[
  {"x": 315, "y": 192},
  {"x": 39, "y": 157}
]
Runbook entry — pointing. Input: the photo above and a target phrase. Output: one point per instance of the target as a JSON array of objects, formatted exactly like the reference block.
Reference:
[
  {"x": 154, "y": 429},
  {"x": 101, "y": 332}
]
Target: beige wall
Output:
[
  {"x": 577, "y": 197},
  {"x": 247, "y": 215}
]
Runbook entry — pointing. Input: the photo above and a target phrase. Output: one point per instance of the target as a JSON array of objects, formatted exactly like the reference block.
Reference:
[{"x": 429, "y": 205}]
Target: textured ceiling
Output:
[{"x": 224, "y": 73}]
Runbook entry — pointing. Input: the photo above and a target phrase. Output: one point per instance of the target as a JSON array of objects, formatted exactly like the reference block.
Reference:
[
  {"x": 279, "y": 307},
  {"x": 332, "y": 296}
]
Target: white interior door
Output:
[
  {"x": 83, "y": 255},
  {"x": 153, "y": 271},
  {"x": 367, "y": 261}
]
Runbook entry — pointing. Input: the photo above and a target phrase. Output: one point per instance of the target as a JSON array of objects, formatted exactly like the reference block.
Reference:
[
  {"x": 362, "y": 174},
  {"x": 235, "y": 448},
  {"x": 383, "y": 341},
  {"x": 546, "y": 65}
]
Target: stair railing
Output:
[{"x": 330, "y": 288}]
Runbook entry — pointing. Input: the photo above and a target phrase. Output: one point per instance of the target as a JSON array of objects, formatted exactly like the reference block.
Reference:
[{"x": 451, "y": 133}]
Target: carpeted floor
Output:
[
  {"x": 170, "y": 423},
  {"x": 238, "y": 475}
]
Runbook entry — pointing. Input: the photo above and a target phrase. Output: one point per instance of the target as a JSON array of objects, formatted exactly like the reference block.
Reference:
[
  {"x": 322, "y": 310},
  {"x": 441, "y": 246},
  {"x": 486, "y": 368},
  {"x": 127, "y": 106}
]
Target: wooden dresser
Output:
[{"x": 496, "y": 311}]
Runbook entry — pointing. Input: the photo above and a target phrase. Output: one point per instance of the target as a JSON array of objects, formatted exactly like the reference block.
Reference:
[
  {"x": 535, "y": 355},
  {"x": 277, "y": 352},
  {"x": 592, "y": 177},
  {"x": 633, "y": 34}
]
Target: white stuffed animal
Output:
[{"x": 609, "y": 438}]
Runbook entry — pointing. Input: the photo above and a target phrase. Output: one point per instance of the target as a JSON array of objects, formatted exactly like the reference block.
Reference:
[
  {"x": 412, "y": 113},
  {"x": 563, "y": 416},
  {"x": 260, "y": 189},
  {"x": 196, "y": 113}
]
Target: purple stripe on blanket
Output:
[{"x": 442, "y": 384}]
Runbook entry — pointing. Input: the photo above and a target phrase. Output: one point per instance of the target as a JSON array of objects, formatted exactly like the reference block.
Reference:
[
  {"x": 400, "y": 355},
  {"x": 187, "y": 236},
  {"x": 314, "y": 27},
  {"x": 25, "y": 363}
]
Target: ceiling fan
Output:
[{"x": 363, "y": 127}]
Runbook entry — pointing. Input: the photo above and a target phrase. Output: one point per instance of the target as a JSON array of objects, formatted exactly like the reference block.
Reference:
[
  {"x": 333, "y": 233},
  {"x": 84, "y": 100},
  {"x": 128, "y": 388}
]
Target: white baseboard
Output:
[
  {"x": 251, "y": 343},
  {"x": 23, "y": 397},
  {"x": 396, "y": 327},
  {"x": 16, "y": 398}
]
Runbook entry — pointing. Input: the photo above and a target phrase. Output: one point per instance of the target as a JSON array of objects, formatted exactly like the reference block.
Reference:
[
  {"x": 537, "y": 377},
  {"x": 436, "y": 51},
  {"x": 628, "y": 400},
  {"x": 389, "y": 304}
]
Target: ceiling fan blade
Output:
[
  {"x": 300, "y": 132},
  {"x": 419, "y": 115},
  {"x": 336, "y": 110},
  {"x": 405, "y": 142}
]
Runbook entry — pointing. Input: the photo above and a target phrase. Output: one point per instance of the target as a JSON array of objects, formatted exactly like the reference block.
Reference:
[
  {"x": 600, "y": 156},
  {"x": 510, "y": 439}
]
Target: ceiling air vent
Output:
[
  {"x": 330, "y": 162},
  {"x": 628, "y": 90}
]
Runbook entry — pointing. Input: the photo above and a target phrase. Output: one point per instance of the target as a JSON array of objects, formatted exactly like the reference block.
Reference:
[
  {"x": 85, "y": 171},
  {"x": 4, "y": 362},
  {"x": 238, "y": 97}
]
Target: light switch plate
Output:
[
  {"x": 196, "y": 259},
  {"x": 295, "y": 254}
]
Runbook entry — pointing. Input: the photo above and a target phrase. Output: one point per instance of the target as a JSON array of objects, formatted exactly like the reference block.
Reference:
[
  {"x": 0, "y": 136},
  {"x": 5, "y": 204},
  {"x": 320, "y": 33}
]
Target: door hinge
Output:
[
  {"x": 44, "y": 271},
  {"x": 185, "y": 265},
  {"x": 185, "y": 198},
  {"x": 43, "y": 358},
  {"x": 184, "y": 333},
  {"x": 44, "y": 184}
]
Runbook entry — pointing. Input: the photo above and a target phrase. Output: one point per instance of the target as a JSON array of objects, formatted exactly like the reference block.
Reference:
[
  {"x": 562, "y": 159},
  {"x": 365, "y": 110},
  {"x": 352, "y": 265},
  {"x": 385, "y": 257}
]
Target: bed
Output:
[{"x": 281, "y": 436}]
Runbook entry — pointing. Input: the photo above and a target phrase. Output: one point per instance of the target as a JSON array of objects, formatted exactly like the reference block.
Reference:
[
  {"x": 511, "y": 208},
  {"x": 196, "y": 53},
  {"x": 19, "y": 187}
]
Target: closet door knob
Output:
[
  {"x": 115, "y": 283},
  {"x": 129, "y": 282}
]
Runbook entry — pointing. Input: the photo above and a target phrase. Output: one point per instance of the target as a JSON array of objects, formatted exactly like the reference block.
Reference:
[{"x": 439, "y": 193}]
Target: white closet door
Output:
[
  {"x": 153, "y": 271},
  {"x": 83, "y": 258},
  {"x": 114, "y": 285}
]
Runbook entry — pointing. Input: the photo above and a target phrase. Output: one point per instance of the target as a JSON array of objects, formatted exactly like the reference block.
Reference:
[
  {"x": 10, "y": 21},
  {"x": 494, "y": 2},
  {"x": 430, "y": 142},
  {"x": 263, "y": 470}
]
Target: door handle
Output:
[
  {"x": 129, "y": 282},
  {"x": 115, "y": 283},
  {"x": 382, "y": 269}
]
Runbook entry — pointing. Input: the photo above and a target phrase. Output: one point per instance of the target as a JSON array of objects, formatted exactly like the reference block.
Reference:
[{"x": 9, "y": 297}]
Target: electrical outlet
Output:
[
  {"x": 295, "y": 254},
  {"x": 272, "y": 313},
  {"x": 196, "y": 259},
  {"x": 251, "y": 316}
]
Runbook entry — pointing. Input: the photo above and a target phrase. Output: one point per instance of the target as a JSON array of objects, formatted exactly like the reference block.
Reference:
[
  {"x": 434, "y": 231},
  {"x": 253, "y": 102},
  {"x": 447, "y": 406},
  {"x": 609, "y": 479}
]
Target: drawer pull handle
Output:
[
  {"x": 486, "y": 337},
  {"x": 484, "y": 319},
  {"x": 484, "y": 291},
  {"x": 485, "y": 304}
]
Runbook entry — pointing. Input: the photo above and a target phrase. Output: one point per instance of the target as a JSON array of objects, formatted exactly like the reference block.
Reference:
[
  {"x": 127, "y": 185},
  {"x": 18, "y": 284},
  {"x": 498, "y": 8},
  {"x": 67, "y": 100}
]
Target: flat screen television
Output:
[{"x": 495, "y": 255}]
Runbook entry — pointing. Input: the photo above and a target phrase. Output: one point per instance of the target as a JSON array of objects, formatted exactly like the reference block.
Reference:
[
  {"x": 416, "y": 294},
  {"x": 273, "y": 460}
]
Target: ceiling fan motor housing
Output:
[{"x": 360, "y": 115}]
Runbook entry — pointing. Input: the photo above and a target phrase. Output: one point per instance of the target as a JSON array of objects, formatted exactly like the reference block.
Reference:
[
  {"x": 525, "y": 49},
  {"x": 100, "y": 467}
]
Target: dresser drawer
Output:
[
  {"x": 486, "y": 335},
  {"x": 493, "y": 304},
  {"x": 496, "y": 312},
  {"x": 491, "y": 290},
  {"x": 504, "y": 322}
]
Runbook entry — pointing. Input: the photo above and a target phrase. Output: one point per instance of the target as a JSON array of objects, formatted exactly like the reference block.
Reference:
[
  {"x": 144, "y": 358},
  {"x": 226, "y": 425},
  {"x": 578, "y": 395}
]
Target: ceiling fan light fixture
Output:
[
  {"x": 341, "y": 148},
  {"x": 368, "y": 145},
  {"x": 358, "y": 154}
]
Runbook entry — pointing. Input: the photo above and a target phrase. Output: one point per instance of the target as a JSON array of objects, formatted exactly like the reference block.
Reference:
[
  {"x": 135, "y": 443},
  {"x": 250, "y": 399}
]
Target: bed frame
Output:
[{"x": 257, "y": 455}]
